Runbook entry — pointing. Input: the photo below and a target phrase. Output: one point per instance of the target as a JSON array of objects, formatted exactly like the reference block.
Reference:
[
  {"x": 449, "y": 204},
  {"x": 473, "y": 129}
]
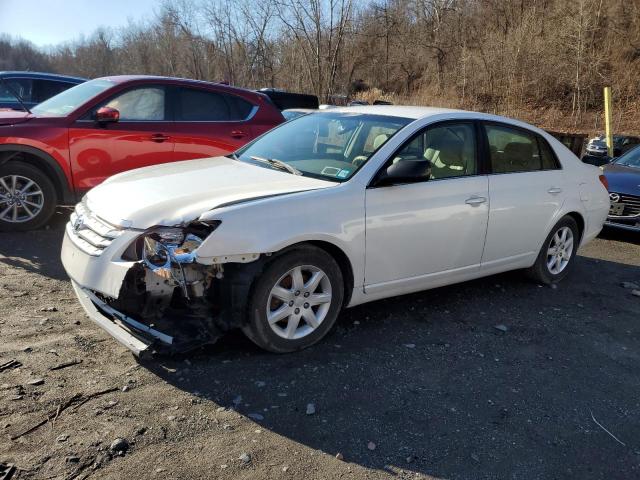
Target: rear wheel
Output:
[
  {"x": 296, "y": 300},
  {"x": 27, "y": 197},
  {"x": 558, "y": 252}
]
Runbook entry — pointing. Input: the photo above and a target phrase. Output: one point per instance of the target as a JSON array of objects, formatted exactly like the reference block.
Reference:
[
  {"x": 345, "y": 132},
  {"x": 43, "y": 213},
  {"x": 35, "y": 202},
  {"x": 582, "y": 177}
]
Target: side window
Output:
[
  {"x": 447, "y": 150},
  {"x": 142, "y": 104},
  {"x": 239, "y": 109},
  {"x": 548, "y": 158},
  {"x": 377, "y": 136},
  {"x": 205, "y": 106},
  {"x": 45, "y": 89},
  {"x": 201, "y": 106},
  {"x": 515, "y": 150},
  {"x": 21, "y": 86}
]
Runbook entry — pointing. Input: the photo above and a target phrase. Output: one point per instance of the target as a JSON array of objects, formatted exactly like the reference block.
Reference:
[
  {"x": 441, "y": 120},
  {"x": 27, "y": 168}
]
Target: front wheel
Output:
[
  {"x": 27, "y": 197},
  {"x": 295, "y": 301},
  {"x": 558, "y": 252}
]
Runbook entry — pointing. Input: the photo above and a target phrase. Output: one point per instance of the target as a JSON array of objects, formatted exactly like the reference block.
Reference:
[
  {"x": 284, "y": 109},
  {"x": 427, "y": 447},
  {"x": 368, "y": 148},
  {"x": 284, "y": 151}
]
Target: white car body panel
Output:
[
  {"x": 174, "y": 193},
  {"x": 423, "y": 228},
  {"x": 421, "y": 236},
  {"x": 521, "y": 210},
  {"x": 89, "y": 271}
]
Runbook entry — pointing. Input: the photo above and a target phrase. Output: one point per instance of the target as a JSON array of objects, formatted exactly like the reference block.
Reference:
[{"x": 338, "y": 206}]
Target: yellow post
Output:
[{"x": 607, "y": 120}]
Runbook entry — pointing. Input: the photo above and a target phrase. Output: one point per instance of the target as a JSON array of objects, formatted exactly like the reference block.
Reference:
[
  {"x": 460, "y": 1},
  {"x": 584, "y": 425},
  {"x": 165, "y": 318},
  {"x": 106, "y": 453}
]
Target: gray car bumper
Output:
[{"x": 137, "y": 337}]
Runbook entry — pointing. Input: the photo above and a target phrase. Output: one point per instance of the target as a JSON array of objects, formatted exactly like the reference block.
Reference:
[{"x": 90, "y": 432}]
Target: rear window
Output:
[{"x": 205, "y": 106}]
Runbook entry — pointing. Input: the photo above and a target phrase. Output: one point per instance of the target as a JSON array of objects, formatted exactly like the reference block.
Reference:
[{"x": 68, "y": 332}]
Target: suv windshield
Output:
[
  {"x": 330, "y": 146},
  {"x": 67, "y": 101},
  {"x": 629, "y": 159}
]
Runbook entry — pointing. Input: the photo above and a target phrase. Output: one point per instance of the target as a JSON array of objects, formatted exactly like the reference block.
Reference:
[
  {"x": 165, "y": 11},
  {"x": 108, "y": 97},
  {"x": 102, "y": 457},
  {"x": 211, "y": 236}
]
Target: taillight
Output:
[{"x": 604, "y": 181}]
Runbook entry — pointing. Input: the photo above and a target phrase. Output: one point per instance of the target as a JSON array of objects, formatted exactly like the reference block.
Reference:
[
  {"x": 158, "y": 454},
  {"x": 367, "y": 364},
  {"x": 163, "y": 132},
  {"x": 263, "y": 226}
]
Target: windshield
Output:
[
  {"x": 67, "y": 101},
  {"x": 330, "y": 146},
  {"x": 630, "y": 159}
]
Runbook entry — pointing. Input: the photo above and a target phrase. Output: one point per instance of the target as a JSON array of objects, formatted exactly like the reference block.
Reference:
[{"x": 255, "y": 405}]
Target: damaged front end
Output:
[{"x": 168, "y": 302}]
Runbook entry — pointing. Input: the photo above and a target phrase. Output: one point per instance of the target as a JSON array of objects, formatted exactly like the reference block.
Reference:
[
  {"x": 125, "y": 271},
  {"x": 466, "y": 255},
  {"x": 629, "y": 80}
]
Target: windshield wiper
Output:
[
  {"x": 15, "y": 94},
  {"x": 274, "y": 162}
]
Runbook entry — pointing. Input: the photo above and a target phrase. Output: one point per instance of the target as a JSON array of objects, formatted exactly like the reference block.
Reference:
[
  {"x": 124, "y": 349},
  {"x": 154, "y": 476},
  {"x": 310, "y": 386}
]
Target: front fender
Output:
[
  {"x": 264, "y": 226},
  {"x": 54, "y": 160}
]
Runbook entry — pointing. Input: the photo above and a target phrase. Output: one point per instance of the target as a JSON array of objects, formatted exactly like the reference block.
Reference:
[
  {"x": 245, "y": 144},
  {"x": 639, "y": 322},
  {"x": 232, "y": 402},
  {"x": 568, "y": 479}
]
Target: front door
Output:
[
  {"x": 416, "y": 231},
  {"x": 140, "y": 138}
]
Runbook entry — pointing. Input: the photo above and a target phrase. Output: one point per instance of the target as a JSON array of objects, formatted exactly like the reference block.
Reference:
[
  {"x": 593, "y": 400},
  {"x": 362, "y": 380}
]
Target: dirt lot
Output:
[{"x": 427, "y": 378}]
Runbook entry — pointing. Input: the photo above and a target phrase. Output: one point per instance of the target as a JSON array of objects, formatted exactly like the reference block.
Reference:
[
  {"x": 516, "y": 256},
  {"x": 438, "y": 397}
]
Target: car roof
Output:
[
  {"x": 177, "y": 80},
  {"x": 301, "y": 110},
  {"x": 40, "y": 75},
  {"x": 416, "y": 113},
  {"x": 396, "y": 110}
]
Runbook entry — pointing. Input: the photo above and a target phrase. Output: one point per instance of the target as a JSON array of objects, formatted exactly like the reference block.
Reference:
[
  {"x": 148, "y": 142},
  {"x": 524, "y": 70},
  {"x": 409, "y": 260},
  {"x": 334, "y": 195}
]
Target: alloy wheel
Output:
[
  {"x": 560, "y": 250},
  {"x": 21, "y": 199},
  {"x": 299, "y": 302}
]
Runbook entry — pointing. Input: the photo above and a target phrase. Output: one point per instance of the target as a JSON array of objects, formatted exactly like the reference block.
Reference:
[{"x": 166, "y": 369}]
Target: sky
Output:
[{"x": 50, "y": 22}]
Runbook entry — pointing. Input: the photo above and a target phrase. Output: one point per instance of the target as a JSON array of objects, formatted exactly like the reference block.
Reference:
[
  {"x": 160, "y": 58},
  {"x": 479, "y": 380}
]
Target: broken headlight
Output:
[
  {"x": 167, "y": 250},
  {"x": 165, "y": 246}
]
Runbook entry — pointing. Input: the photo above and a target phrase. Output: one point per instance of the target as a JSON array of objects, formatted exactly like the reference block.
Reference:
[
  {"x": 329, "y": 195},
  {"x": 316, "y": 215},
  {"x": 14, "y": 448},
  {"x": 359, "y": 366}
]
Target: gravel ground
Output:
[{"x": 421, "y": 386}]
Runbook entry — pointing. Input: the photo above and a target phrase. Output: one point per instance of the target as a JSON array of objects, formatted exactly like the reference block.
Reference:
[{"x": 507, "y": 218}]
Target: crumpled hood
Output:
[
  {"x": 623, "y": 179},
  {"x": 175, "y": 193},
  {"x": 13, "y": 117}
]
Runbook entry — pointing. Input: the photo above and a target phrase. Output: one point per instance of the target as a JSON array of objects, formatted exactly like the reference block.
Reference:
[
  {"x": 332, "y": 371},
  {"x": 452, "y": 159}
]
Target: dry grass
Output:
[{"x": 625, "y": 119}]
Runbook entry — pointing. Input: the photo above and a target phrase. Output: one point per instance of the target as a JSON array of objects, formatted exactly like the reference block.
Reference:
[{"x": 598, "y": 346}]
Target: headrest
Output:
[
  {"x": 519, "y": 151},
  {"x": 379, "y": 140}
]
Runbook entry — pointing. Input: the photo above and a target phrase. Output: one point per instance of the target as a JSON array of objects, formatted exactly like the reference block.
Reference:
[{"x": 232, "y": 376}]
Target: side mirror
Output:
[
  {"x": 107, "y": 115},
  {"x": 404, "y": 171}
]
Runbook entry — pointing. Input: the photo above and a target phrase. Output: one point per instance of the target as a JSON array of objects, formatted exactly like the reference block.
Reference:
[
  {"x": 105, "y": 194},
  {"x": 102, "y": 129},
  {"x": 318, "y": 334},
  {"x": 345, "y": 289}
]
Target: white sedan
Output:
[{"x": 327, "y": 211}]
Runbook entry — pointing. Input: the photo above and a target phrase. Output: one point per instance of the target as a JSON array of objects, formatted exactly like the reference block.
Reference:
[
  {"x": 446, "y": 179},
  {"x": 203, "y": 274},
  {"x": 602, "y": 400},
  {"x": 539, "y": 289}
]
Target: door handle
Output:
[
  {"x": 554, "y": 190},
  {"x": 159, "y": 137},
  {"x": 475, "y": 200},
  {"x": 238, "y": 134}
]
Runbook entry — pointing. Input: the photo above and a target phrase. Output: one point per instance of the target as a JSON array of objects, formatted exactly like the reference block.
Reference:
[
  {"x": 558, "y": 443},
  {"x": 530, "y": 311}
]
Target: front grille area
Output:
[
  {"x": 631, "y": 206},
  {"x": 88, "y": 232}
]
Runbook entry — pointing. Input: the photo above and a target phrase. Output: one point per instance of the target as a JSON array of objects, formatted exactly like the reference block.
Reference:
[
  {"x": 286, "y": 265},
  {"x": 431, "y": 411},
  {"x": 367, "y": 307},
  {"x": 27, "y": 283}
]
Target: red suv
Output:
[{"x": 73, "y": 141}]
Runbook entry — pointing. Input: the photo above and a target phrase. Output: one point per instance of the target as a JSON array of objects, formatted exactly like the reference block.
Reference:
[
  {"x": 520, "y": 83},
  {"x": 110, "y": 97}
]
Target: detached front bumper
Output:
[
  {"x": 137, "y": 337},
  {"x": 95, "y": 274}
]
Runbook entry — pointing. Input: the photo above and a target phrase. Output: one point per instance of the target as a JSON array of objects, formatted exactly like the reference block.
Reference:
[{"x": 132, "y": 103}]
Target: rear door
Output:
[
  {"x": 526, "y": 189},
  {"x": 209, "y": 123},
  {"x": 140, "y": 138}
]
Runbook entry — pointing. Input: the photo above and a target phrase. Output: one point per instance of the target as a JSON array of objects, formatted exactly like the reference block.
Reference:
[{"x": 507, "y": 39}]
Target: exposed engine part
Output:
[
  {"x": 166, "y": 253},
  {"x": 168, "y": 292}
]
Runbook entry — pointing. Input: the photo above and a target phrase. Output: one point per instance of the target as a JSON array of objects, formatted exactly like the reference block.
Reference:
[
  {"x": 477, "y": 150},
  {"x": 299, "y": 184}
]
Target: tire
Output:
[
  {"x": 322, "y": 302},
  {"x": 36, "y": 204},
  {"x": 543, "y": 271}
]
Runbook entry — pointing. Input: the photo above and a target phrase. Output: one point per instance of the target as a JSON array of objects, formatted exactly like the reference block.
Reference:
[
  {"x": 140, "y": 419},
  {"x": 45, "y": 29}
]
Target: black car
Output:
[
  {"x": 623, "y": 176},
  {"x": 597, "y": 154},
  {"x": 32, "y": 88}
]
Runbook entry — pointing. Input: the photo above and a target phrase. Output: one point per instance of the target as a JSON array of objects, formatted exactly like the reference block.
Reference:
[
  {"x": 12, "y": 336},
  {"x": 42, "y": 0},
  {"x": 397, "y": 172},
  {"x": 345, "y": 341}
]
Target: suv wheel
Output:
[
  {"x": 558, "y": 252},
  {"x": 295, "y": 301},
  {"x": 27, "y": 197}
]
